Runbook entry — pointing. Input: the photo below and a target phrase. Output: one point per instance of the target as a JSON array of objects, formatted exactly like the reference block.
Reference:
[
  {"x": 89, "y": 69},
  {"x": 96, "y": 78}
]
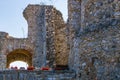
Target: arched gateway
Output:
[{"x": 21, "y": 55}]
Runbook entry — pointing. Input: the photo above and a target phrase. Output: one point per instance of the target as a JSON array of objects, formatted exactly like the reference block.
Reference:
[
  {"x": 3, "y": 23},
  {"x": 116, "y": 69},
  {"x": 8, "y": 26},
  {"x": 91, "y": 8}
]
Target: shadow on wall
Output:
[{"x": 19, "y": 55}]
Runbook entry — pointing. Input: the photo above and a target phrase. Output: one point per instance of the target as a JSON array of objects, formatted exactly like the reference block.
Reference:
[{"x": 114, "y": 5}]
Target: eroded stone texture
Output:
[
  {"x": 74, "y": 27},
  {"x": 35, "y": 16},
  {"x": 36, "y": 75},
  {"x": 97, "y": 40},
  {"x": 99, "y": 54},
  {"x": 9, "y": 45},
  {"x": 100, "y": 14},
  {"x": 93, "y": 38},
  {"x": 51, "y": 38},
  {"x": 56, "y": 37}
]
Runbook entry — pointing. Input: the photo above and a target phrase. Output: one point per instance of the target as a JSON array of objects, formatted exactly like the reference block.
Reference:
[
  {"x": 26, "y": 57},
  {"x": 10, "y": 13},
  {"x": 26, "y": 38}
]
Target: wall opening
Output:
[
  {"x": 18, "y": 64},
  {"x": 19, "y": 55}
]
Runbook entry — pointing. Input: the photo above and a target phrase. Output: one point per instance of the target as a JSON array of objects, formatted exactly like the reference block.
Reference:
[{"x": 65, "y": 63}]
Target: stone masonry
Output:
[
  {"x": 89, "y": 42},
  {"x": 36, "y": 75},
  {"x": 94, "y": 38},
  {"x": 46, "y": 40}
]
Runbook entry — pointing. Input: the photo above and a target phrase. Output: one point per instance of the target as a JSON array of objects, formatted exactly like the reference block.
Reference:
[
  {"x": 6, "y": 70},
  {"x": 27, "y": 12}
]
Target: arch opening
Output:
[
  {"x": 19, "y": 55},
  {"x": 18, "y": 64}
]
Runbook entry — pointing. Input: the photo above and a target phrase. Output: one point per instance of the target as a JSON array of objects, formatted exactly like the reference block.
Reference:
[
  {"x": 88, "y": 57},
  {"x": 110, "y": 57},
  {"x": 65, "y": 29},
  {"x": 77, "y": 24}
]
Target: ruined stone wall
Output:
[
  {"x": 74, "y": 27},
  {"x": 36, "y": 75},
  {"x": 18, "y": 49},
  {"x": 3, "y": 35},
  {"x": 92, "y": 37},
  {"x": 101, "y": 13},
  {"x": 56, "y": 37},
  {"x": 50, "y": 35},
  {"x": 61, "y": 56},
  {"x": 99, "y": 54},
  {"x": 49, "y": 30},
  {"x": 9, "y": 44},
  {"x": 35, "y": 16},
  {"x": 46, "y": 40},
  {"x": 97, "y": 41}
]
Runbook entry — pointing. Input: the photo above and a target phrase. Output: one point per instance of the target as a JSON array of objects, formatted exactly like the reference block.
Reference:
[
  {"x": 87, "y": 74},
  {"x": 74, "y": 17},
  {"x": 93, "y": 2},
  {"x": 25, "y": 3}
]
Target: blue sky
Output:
[{"x": 11, "y": 17}]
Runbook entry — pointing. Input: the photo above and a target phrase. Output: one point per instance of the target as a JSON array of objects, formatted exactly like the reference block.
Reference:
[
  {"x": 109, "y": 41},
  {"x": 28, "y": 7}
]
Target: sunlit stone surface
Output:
[{"x": 89, "y": 42}]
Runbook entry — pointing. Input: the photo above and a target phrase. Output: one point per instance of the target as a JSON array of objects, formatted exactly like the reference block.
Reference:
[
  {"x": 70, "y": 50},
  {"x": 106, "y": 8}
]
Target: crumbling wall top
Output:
[
  {"x": 31, "y": 10},
  {"x": 4, "y": 35}
]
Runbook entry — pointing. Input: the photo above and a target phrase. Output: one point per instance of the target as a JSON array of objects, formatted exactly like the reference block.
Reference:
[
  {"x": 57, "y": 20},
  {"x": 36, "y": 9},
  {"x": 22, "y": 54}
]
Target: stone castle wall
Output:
[
  {"x": 94, "y": 47},
  {"x": 56, "y": 37},
  {"x": 46, "y": 40},
  {"x": 35, "y": 16},
  {"x": 8, "y": 45},
  {"x": 88, "y": 43},
  {"x": 49, "y": 32},
  {"x": 36, "y": 75}
]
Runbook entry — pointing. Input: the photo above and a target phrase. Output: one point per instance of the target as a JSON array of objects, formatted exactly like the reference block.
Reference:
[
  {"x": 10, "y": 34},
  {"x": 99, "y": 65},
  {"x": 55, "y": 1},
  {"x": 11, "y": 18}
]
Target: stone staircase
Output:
[{"x": 36, "y": 75}]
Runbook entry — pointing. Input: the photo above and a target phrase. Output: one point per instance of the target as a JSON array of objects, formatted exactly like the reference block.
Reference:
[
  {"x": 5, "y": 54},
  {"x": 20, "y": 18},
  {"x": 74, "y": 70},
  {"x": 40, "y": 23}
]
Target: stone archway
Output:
[{"x": 21, "y": 55}]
